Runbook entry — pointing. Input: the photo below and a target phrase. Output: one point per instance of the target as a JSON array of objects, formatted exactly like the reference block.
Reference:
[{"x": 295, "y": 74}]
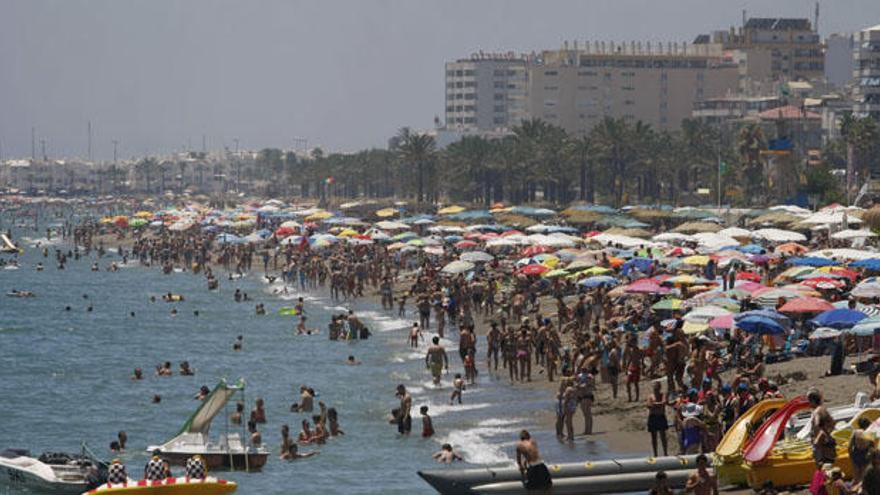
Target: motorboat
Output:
[
  {"x": 169, "y": 486},
  {"x": 51, "y": 473},
  {"x": 229, "y": 451}
]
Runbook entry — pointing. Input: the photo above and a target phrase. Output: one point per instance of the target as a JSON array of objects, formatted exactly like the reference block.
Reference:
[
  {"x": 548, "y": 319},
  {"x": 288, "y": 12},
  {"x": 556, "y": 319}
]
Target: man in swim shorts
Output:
[{"x": 436, "y": 359}]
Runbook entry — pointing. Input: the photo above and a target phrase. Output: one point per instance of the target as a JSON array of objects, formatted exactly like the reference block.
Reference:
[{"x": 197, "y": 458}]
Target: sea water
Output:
[{"x": 65, "y": 376}]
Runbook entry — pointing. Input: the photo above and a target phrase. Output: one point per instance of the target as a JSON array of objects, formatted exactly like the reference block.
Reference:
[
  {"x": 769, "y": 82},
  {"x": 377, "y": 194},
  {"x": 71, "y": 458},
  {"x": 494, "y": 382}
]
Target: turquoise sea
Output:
[{"x": 65, "y": 376}]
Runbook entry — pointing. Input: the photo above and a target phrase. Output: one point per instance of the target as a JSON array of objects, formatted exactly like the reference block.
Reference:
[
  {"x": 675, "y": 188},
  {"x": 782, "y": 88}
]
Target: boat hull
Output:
[
  {"x": 171, "y": 486},
  {"x": 18, "y": 479}
]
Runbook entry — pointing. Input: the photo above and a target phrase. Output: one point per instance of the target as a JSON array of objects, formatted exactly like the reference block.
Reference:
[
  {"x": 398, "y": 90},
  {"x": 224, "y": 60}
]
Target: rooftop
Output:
[
  {"x": 788, "y": 112},
  {"x": 778, "y": 24}
]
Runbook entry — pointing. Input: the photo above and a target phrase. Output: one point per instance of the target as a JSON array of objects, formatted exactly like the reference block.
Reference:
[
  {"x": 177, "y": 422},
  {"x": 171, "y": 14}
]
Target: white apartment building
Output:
[
  {"x": 866, "y": 90},
  {"x": 486, "y": 91}
]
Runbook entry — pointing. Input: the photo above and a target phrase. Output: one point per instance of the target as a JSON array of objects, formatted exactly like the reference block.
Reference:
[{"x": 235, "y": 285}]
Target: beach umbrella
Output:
[
  {"x": 466, "y": 244},
  {"x": 751, "y": 276},
  {"x": 137, "y": 222},
  {"x": 416, "y": 242},
  {"x": 751, "y": 249},
  {"x": 476, "y": 257},
  {"x": 865, "y": 327},
  {"x": 838, "y": 318},
  {"x": 450, "y": 210},
  {"x": 838, "y": 272},
  {"x": 143, "y": 214},
  {"x": 598, "y": 281},
  {"x": 671, "y": 304},
  {"x": 547, "y": 260},
  {"x": 319, "y": 215},
  {"x": 722, "y": 322},
  {"x": 645, "y": 286},
  {"x": 706, "y": 313},
  {"x": 824, "y": 283},
  {"x": 765, "y": 313},
  {"x": 810, "y": 261},
  {"x": 872, "y": 264},
  {"x": 596, "y": 270},
  {"x": 760, "y": 325},
  {"x": 457, "y": 267},
  {"x": 536, "y": 269},
  {"x": 386, "y": 212},
  {"x": 404, "y": 236},
  {"x": 685, "y": 280},
  {"x": 790, "y": 248},
  {"x": 778, "y": 235},
  {"x": 389, "y": 225},
  {"x": 867, "y": 289},
  {"x": 533, "y": 250},
  {"x": 697, "y": 260},
  {"x": 284, "y": 231},
  {"x": 642, "y": 265},
  {"x": 826, "y": 333},
  {"x": 870, "y": 311},
  {"x": 806, "y": 305},
  {"x": 850, "y": 234},
  {"x": 555, "y": 273}
]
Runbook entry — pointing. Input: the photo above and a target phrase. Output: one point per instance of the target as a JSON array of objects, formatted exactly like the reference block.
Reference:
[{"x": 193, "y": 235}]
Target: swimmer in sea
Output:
[
  {"x": 204, "y": 391},
  {"x": 157, "y": 399},
  {"x": 293, "y": 453},
  {"x": 445, "y": 455},
  {"x": 185, "y": 369},
  {"x": 235, "y": 418},
  {"x": 239, "y": 342},
  {"x": 164, "y": 369},
  {"x": 138, "y": 374},
  {"x": 351, "y": 361}
]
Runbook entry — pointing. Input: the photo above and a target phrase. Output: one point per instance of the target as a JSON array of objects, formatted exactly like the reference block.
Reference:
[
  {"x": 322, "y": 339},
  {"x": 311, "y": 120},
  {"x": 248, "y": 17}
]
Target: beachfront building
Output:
[
  {"x": 776, "y": 49},
  {"x": 866, "y": 90},
  {"x": 733, "y": 107},
  {"x": 486, "y": 91},
  {"x": 659, "y": 84}
]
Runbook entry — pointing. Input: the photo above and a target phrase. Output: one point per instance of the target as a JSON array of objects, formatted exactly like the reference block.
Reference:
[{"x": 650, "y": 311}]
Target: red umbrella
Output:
[
  {"x": 488, "y": 235},
  {"x": 533, "y": 250},
  {"x": 843, "y": 272},
  {"x": 509, "y": 233},
  {"x": 750, "y": 286},
  {"x": 472, "y": 235},
  {"x": 533, "y": 269},
  {"x": 752, "y": 276},
  {"x": 645, "y": 286},
  {"x": 121, "y": 222},
  {"x": 284, "y": 231},
  {"x": 806, "y": 305},
  {"x": 592, "y": 233},
  {"x": 465, "y": 244}
]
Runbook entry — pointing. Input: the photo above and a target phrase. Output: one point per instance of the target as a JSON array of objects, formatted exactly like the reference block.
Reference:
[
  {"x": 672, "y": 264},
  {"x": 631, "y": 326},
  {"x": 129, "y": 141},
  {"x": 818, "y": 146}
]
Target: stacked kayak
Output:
[
  {"x": 169, "y": 486},
  {"x": 789, "y": 461},
  {"x": 728, "y": 453}
]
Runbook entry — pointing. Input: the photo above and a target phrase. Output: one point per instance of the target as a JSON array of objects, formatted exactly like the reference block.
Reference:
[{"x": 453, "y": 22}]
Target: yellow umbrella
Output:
[
  {"x": 106, "y": 220},
  {"x": 596, "y": 270},
  {"x": 348, "y": 233},
  {"x": 386, "y": 212},
  {"x": 319, "y": 215},
  {"x": 698, "y": 260},
  {"x": 829, "y": 269},
  {"x": 451, "y": 210},
  {"x": 693, "y": 327},
  {"x": 143, "y": 214}
]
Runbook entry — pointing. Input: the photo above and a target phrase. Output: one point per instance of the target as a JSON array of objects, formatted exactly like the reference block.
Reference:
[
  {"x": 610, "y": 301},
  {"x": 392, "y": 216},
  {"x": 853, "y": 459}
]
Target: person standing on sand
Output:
[
  {"x": 493, "y": 342},
  {"x": 657, "y": 422},
  {"x": 436, "y": 359},
  {"x": 632, "y": 361}
]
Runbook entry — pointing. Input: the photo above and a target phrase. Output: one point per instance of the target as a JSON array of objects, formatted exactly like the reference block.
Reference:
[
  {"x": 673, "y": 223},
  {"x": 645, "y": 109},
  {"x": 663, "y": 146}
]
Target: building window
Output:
[
  {"x": 450, "y": 109},
  {"x": 470, "y": 84},
  {"x": 469, "y": 72},
  {"x": 551, "y": 88},
  {"x": 550, "y": 116},
  {"x": 470, "y": 96},
  {"x": 498, "y": 84},
  {"x": 586, "y": 73},
  {"x": 470, "y": 120},
  {"x": 549, "y": 103},
  {"x": 499, "y": 121},
  {"x": 498, "y": 73},
  {"x": 500, "y": 108},
  {"x": 499, "y": 96},
  {"x": 551, "y": 73}
]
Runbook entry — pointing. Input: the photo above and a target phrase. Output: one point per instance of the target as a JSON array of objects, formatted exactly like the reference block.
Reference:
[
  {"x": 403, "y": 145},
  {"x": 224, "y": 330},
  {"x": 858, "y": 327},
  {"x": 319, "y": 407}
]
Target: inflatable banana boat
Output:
[{"x": 169, "y": 486}]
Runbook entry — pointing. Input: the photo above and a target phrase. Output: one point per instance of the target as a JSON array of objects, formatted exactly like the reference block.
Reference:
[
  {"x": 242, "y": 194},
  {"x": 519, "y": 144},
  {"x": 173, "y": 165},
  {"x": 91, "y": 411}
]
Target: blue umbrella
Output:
[
  {"x": 228, "y": 238},
  {"x": 751, "y": 249},
  {"x": 640, "y": 264},
  {"x": 453, "y": 238},
  {"x": 839, "y": 318},
  {"x": 598, "y": 281},
  {"x": 776, "y": 316},
  {"x": 810, "y": 261},
  {"x": 872, "y": 264},
  {"x": 760, "y": 325},
  {"x": 596, "y": 208}
]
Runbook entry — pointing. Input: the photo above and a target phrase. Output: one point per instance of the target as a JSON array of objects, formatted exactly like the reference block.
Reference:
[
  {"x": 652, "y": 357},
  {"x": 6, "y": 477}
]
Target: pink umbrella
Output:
[
  {"x": 645, "y": 286},
  {"x": 750, "y": 287},
  {"x": 725, "y": 321}
]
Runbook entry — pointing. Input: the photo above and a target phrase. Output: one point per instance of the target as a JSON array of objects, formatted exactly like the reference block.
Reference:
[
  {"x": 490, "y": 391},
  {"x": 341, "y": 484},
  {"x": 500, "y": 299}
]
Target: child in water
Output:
[
  {"x": 427, "y": 423},
  {"x": 458, "y": 387}
]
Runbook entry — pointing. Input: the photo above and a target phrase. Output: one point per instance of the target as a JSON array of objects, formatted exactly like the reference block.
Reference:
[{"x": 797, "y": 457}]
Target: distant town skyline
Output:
[{"x": 157, "y": 76}]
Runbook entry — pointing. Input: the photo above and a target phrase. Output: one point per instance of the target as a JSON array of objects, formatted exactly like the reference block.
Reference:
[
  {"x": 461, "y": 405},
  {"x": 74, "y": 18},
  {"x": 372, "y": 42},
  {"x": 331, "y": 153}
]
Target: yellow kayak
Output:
[
  {"x": 728, "y": 453},
  {"x": 790, "y": 463},
  {"x": 170, "y": 486}
]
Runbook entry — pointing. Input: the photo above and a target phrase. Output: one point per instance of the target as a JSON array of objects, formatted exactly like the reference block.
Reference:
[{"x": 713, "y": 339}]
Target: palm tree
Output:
[
  {"x": 164, "y": 167},
  {"x": 182, "y": 165},
  {"x": 419, "y": 150},
  {"x": 751, "y": 143},
  {"x": 580, "y": 150},
  {"x": 466, "y": 169},
  {"x": 616, "y": 148}
]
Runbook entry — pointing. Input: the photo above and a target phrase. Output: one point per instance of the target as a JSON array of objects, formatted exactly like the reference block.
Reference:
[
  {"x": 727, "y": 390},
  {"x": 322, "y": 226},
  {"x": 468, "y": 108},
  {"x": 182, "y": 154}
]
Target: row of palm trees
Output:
[{"x": 618, "y": 162}]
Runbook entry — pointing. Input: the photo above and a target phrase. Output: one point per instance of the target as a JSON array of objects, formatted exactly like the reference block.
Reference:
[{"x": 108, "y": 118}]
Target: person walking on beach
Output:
[
  {"x": 632, "y": 361},
  {"x": 436, "y": 359}
]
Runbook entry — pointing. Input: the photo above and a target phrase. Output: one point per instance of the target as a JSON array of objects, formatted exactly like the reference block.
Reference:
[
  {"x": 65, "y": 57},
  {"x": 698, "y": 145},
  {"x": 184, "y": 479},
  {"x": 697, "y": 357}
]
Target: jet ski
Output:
[{"x": 51, "y": 473}]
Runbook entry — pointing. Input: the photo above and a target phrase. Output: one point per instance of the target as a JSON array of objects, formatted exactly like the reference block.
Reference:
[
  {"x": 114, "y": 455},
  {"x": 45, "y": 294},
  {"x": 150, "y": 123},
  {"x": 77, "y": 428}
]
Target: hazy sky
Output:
[{"x": 157, "y": 75}]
